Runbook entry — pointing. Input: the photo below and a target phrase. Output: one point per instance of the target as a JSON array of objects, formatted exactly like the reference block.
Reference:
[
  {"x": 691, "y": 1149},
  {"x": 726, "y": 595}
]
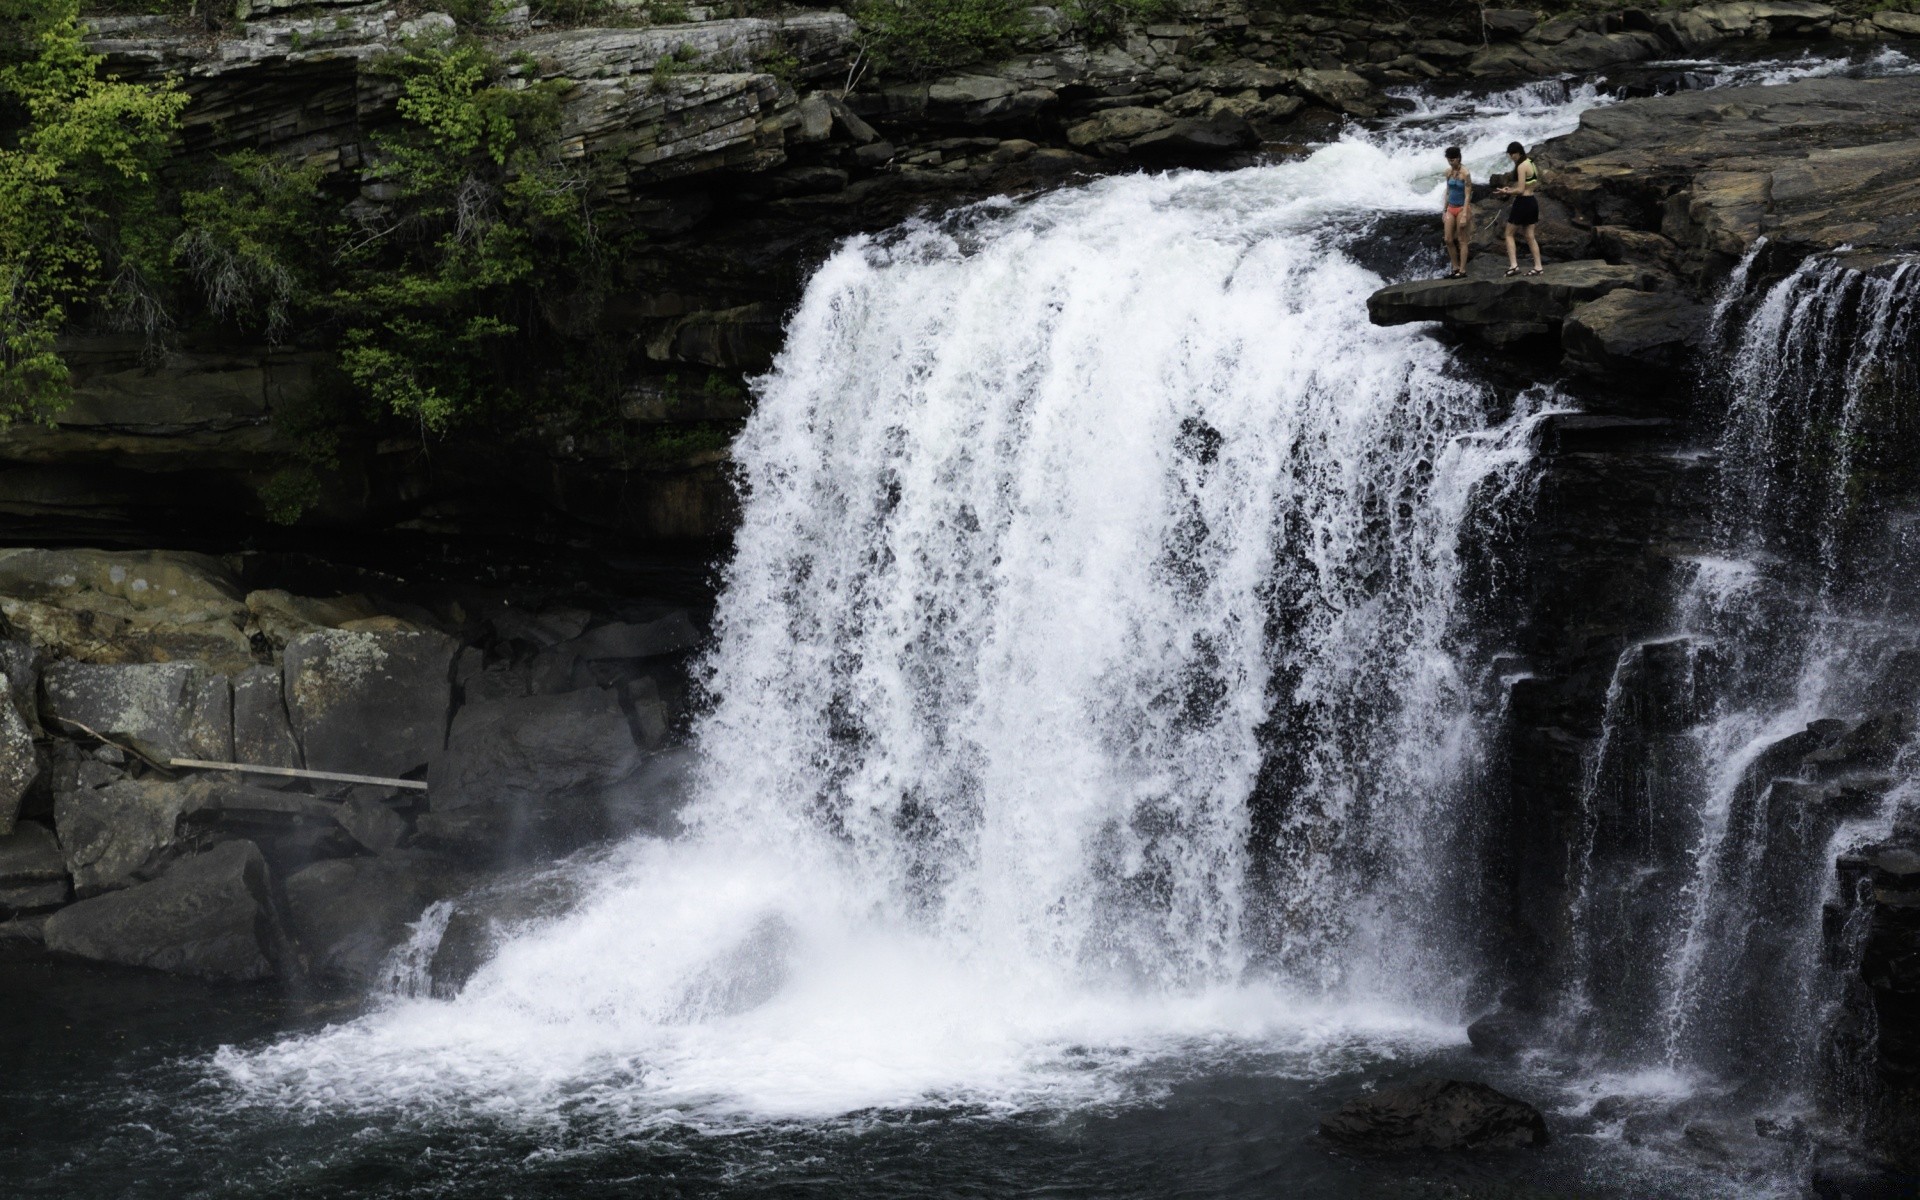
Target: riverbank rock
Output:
[
  {"x": 163, "y": 710},
  {"x": 19, "y": 762},
  {"x": 116, "y": 834},
  {"x": 209, "y": 916},
  {"x": 1439, "y": 1114},
  {"x": 33, "y": 872},
  {"x": 533, "y": 774},
  {"x": 369, "y": 703},
  {"x": 1504, "y": 310},
  {"x": 348, "y": 914},
  {"x": 142, "y": 606}
]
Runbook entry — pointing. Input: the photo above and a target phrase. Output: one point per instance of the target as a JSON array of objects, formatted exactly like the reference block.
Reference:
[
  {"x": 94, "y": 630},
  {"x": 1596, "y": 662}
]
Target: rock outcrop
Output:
[
  {"x": 210, "y": 916},
  {"x": 1499, "y": 311},
  {"x": 1438, "y": 1114}
]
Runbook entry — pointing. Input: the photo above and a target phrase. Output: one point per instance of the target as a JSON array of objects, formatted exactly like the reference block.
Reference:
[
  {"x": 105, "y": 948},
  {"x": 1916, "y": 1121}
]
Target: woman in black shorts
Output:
[{"x": 1525, "y": 213}]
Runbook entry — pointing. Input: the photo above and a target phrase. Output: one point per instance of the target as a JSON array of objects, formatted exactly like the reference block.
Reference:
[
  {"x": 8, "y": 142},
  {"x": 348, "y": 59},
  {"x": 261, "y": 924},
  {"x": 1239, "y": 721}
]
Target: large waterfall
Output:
[{"x": 1089, "y": 678}]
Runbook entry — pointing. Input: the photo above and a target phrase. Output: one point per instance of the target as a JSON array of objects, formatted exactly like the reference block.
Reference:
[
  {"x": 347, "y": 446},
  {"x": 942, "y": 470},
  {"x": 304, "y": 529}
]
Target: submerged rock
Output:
[
  {"x": 1436, "y": 1114},
  {"x": 209, "y": 916}
]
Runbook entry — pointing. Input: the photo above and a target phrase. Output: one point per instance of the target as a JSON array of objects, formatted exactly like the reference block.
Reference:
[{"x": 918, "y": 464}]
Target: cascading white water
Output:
[{"x": 1088, "y": 681}]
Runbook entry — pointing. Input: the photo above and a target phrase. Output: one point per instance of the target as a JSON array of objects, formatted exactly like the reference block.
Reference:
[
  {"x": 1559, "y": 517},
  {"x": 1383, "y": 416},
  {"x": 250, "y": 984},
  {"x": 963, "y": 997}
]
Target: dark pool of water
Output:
[{"x": 104, "y": 1092}]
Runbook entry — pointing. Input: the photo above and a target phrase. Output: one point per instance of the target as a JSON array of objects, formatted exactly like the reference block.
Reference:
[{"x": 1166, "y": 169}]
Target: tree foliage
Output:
[
  {"x": 925, "y": 37},
  {"x": 80, "y": 208}
]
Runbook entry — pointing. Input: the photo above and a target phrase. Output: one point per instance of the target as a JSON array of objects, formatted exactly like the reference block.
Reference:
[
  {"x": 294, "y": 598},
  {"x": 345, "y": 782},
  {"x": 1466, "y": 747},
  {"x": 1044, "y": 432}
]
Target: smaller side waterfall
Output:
[{"x": 1739, "y": 756}]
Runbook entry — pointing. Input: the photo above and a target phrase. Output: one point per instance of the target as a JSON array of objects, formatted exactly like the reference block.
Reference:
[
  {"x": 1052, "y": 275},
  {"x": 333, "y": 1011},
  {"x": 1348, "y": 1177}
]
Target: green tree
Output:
[{"x": 80, "y": 216}]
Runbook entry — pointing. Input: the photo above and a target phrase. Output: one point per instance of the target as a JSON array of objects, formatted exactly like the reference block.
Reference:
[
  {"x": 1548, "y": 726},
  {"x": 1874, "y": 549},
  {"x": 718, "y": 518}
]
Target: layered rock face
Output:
[
  {"x": 495, "y": 734},
  {"x": 742, "y": 179}
]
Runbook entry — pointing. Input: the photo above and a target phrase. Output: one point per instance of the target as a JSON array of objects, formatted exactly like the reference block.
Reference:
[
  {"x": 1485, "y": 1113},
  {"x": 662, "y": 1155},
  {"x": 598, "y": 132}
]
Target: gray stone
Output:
[
  {"x": 1439, "y": 1114},
  {"x": 114, "y": 835},
  {"x": 1195, "y": 138},
  {"x": 164, "y": 710},
  {"x": 19, "y": 763},
  {"x": 20, "y": 663},
  {"x": 262, "y": 734},
  {"x": 372, "y": 823},
  {"x": 371, "y": 703},
  {"x": 1117, "y": 125},
  {"x": 1628, "y": 334},
  {"x": 541, "y": 774},
  {"x": 348, "y": 914},
  {"x": 210, "y": 916},
  {"x": 649, "y": 639},
  {"x": 1504, "y": 310},
  {"x": 125, "y": 606},
  {"x": 1900, "y": 24},
  {"x": 33, "y": 873},
  {"x": 1507, "y": 22},
  {"x": 1342, "y": 91}
]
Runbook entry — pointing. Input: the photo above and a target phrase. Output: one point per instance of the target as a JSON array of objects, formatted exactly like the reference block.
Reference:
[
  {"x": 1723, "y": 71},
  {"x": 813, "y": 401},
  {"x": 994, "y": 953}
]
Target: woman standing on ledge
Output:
[
  {"x": 1525, "y": 213},
  {"x": 1455, "y": 222}
]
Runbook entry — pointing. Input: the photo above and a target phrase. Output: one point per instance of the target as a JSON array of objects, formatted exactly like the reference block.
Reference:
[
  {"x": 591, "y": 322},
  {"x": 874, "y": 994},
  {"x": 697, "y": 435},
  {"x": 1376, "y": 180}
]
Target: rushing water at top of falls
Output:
[{"x": 1089, "y": 683}]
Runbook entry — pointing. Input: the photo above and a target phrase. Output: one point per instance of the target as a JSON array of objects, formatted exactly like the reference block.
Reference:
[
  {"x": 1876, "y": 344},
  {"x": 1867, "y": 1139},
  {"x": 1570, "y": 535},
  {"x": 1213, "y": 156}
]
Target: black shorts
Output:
[{"x": 1525, "y": 211}]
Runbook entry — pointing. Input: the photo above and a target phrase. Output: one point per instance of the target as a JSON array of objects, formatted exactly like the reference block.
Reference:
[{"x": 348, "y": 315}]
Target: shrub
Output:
[
  {"x": 925, "y": 37},
  {"x": 80, "y": 218}
]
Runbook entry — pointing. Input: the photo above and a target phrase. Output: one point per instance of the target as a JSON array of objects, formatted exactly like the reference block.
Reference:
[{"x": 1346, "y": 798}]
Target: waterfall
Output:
[
  {"x": 1090, "y": 681},
  {"x": 1793, "y": 647}
]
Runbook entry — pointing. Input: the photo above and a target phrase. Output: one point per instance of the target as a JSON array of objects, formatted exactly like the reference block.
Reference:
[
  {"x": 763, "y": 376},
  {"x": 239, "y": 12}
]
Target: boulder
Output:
[
  {"x": 533, "y": 775},
  {"x": 1196, "y": 138},
  {"x": 19, "y": 764},
  {"x": 1899, "y": 24},
  {"x": 209, "y": 916},
  {"x": 1628, "y": 334},
  {"x": 371, "y": 822},
  {"x": 348, "y": 914},
  {"x": 1502, "y": 1033},
  {"x": 1507, "y": 22},
  {"x": 1438, "y": 1114},
  {"x": 1342, "y": 91},
  {"x": 164, "y": 710},
  {"x": 20, "y": 663},
  {"x": 1504, "y": 310},
  {"x": 371, "y": 703},
  {"x": 125, "y": 606},
  {"x": 649, "y": 639},
  {"x": 33, "y": 872},
  {"x": 1117, "y": 125},
  {"x": 113, "y": 836},
  {"x": 985, "y": 100},
  {"x": 262, "y": 734}
]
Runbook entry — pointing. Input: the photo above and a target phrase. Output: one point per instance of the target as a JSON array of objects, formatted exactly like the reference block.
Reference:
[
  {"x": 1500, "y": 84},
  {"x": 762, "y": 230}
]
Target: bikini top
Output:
[{"x": 1456, "y": 193}]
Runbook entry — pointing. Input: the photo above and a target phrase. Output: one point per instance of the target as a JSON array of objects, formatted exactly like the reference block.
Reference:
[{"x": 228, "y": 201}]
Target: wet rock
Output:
[
  {"x": 1342, "y": 91},
  {"x": 535, "y": 775},
  {"x": 19, "y": 763},
  {"x": 20, "y": 664},
  {"x": 1629, "y": 334},
  {"x": 33, "y": 872},
  {"x": 1900, "y": 24},
  {"x": 262, "y": 733},
  {"x": 163, "y": 710},
  {"x": 1502, "y": 1033},
  {"x": 1195, "y": 138},
  {"x": 209, "y": 916},
  {"x": 1439, "y": 1114},
  {"x": 369, "y": 703},
  {"x": 115, "y": 835},
  {"x": 1500, "y": 311},
  {"x": 348, "y": 914}
]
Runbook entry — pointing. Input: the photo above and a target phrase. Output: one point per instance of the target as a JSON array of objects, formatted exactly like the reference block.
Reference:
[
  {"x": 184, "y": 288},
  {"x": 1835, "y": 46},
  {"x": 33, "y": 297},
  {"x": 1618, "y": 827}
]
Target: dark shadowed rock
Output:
[
  {"x": 19, "y": 764},
  {"x": 1437, "y": 1114},
  {"x": 371, "y": 822},
  {"x": 33, "y": 872},
  {"x": 1502, "y": 1033},
  {"x": 210, "y": 916},
  {"x": 538, "y": 774},
  {"x": 371, "y": 703},
  {"x": 164, "y": 710},
  {"x": 1628, "y": 334},
  {"x": 1507, "y": 22},
  {"x": 1504, "y": 310},
  {"x": 348, "y": 914},
  {"x": 262, "y": 734},
  {"x": 114, "y": 835},
  {"x": 647, "y": 639}
]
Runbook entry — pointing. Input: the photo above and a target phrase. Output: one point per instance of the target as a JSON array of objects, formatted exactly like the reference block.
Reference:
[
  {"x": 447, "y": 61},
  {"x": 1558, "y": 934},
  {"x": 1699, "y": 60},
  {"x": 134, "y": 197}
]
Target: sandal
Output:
[
  {"x": 1537, "y": 271},
  {"x": 1512, "y": 271}
]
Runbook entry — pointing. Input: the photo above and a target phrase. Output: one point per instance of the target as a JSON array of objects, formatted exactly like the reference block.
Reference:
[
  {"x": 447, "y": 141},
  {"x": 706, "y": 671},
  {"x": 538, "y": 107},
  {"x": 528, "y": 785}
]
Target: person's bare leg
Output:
[
  {"x": 1513, "y": 252},
  {"x": 1462, "y": 231},
  {"x": 1533, "y": 244},
  {"x": 1449, "y": 227}
]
